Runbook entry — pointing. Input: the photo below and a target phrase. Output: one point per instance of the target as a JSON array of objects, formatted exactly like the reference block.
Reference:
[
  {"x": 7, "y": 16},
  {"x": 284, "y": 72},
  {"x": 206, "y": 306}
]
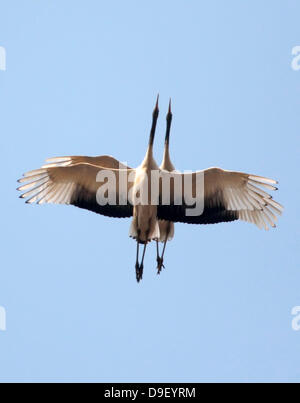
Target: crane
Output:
[
  {"x": 105, "y": 186},
  {"x": 73, "y": 180},
  {"x": 166, "y": 228}
]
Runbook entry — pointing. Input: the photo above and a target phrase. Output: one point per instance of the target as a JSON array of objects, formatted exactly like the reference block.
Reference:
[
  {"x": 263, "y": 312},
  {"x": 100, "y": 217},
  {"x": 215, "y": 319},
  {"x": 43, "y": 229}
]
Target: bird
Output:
[
  {"x": 166, "y": 228},
  {"x": 144, "y": 225},
  {"x": 73, "y": 180},
  {"x": 105, "y": 186}
]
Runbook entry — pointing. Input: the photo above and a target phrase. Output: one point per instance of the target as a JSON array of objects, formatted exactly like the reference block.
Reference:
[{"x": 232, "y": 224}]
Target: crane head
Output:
[
  {"x": 154, "y": 120},
  {"x": 169, "y": 120}
]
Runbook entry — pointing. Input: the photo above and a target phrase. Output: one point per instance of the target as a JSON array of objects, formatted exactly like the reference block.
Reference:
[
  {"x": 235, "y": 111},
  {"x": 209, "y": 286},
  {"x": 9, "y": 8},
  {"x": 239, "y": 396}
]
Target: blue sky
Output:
[{"x": 81, "y": 79}]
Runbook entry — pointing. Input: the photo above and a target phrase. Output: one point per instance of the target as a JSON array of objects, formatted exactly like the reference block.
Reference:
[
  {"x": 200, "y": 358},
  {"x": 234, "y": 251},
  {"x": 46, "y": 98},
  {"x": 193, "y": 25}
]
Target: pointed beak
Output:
[
  {"x": 154, "y": 120},
  {"x": 169, "y": 120},
  {"x": 156, "y": 110},
  {"x": 169, "y": 111}
]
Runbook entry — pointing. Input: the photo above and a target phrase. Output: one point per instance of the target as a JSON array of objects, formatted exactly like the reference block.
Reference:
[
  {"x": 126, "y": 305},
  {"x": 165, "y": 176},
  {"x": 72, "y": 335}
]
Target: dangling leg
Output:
[
  {"x": 160, "y": 264},
  {"x": 137, "y": 266},
  {"x": 158, "y": 259},
  {"x": 157, "y": 252},
  {"x": 142, "y": 263}
]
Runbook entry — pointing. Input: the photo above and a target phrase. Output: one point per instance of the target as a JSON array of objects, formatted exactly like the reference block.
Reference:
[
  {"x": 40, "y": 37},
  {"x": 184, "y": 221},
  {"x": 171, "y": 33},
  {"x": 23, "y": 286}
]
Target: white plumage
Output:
[{"x": 228, "y": 195}]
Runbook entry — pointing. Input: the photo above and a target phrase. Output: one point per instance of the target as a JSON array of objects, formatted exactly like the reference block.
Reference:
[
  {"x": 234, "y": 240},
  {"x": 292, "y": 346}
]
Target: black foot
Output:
[
  {"x": 137, "y": 272},
  {"x": 160, "y": 264},
  {"x": 141, "y": 272}
]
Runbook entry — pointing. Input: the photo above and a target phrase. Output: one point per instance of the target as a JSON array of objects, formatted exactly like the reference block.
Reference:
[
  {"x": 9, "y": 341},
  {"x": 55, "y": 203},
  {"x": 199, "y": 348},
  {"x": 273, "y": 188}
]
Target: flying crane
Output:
[{"x": 224, "y": 195}]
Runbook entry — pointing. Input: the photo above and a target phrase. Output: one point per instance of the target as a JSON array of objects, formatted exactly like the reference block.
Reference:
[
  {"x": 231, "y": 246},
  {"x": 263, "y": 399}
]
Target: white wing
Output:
[{"x": 228, "y": 196}]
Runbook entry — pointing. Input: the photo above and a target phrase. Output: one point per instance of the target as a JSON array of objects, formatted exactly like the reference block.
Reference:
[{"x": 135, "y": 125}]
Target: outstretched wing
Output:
[
  {"x": 228, "y": 196},
  {"x": 70, "y": 180},
  {"x": 104, "y": 161}
]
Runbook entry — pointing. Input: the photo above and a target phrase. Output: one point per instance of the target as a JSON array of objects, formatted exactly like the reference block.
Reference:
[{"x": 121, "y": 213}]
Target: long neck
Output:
[
  {"x": 153, "y": 127},
  {"x": 149, "y": 154},
  {"x": 167, "y": 164},
  {"x": 167, "y": 137}
]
